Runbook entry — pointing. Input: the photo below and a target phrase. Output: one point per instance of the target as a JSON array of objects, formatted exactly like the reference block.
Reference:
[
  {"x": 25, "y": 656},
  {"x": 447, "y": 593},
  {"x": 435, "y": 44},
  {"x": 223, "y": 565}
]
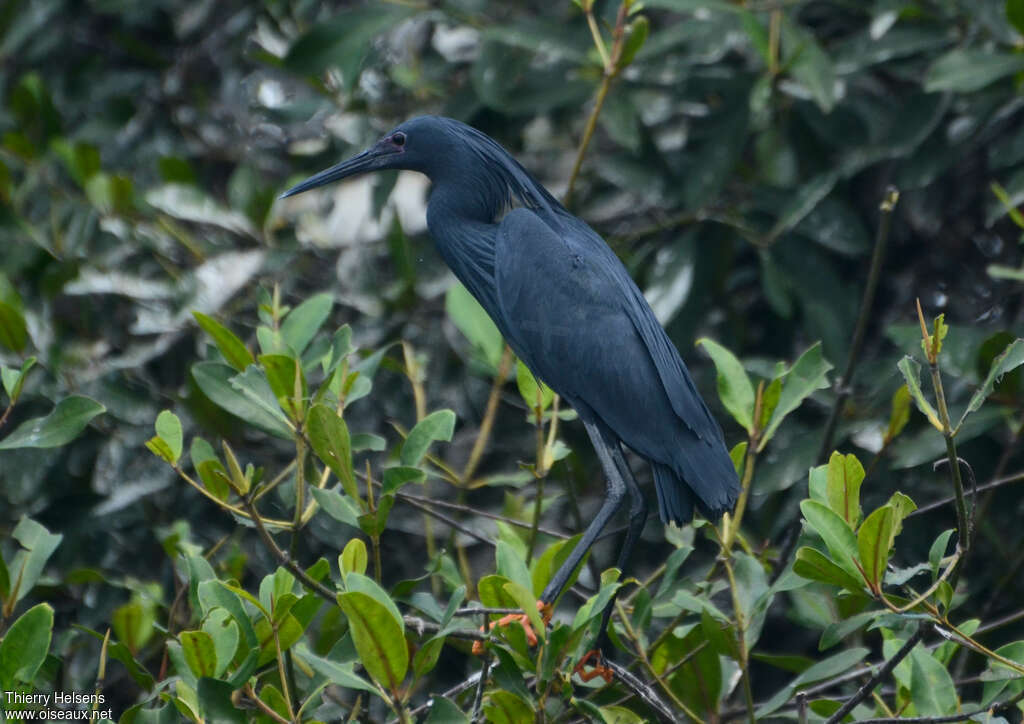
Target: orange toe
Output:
[{"x": 599, "y": 669}]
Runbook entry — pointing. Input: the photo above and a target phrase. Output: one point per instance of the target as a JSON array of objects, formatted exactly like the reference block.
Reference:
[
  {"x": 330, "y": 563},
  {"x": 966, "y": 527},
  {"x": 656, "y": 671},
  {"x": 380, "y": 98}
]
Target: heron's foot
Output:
[
  {"x": 523, "y": 620},
  {"x": 599, "y": 668}
]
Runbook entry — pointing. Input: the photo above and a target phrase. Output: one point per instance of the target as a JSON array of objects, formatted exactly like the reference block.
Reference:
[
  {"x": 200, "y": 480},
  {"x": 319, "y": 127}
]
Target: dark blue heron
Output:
[{"x": 571, "y": 312}]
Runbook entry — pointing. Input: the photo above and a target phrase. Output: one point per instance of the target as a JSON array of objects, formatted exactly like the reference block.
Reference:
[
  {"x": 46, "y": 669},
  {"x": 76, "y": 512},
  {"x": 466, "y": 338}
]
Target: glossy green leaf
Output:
[
  {"x": 64, "y": 423},
  {"x": 504, "y": 707},
  {"x": 231, "y": 347},
  {"x": 938, "y": 550},
  {"x": 838, "y": 537},
  {"x": 444, "y": 711},
  {"x": 834, "y": 665},
  {"x": 24, "y": 647},
  {"x": 734, "y": 386},
  {"x": 899, "y": 415},
  {"x": 168, "y": 428},
  {"x": 304, "y": 321},
  {"x": 812, "y": 564},
  {"x": 911, "y": 370},
  {"x": 37, "y": 545},
  {"x": 224, "y": 633},
  {"x": 931, "y": 687},
  {"x": 337, "y": 505},
  {"x": 474, "y": 323},
  {"x": 394, "y": 479},
  {"x": 341, "y": 674},
  {"x": 534, "y": 393},
  {"x": 378, "y": 639},
  {"x": 966, "y": 71},
  {"x": 808, "y": 373},
  {"x": 14, "y": 379},
  {"x": 1010, "y": 358},
  {"x": 353, "y": 558},
  {"x": 439, "y": 425},
  {"x": 873, "y": 540},
  {"x": 200, "y": 653},
  {"x": 328, "y": 434},
  {"x": 248, "y": 398},
  {"x": 845, "y": 475}
]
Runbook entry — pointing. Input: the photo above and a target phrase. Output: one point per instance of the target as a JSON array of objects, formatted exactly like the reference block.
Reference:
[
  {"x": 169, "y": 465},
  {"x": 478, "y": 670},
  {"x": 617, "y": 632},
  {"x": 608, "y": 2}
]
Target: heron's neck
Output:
[{"x": 464, "y": 237}]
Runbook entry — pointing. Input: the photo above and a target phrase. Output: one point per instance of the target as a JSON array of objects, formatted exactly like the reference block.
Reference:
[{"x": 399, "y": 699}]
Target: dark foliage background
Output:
[{"x": 737, "y": 168}]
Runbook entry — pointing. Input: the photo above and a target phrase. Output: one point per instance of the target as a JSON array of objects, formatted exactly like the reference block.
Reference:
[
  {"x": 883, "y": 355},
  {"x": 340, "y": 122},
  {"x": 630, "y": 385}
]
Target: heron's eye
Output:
[{"x": 398, "y": 139}]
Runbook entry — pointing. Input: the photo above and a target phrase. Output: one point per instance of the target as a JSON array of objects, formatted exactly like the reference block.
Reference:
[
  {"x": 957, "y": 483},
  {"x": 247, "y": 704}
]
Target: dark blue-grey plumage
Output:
[{"x": 571, "y": 312}]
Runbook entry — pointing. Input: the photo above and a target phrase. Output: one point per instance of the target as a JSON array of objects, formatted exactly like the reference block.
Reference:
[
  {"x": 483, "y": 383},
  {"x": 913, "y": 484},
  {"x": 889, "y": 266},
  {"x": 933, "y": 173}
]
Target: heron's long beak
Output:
[{"x": 355, "y": 165}]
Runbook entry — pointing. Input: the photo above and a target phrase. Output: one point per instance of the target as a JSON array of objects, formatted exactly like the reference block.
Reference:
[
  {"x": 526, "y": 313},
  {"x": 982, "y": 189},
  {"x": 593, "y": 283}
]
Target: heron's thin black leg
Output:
[
  {"x": 617, "y": 489},
  {"x": 637, "y": 519}
]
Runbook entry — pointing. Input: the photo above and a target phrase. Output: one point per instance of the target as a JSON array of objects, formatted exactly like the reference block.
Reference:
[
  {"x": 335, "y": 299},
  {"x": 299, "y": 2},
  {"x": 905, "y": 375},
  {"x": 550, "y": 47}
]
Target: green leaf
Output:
[
  {"x": 534, "y": 393},
  {"x": 938, "y": 551},
  {"x": 341, "y": 674},
  {"x": 224, "y": 633},
  {"x": 511, "y": 565},
  {"x": 543, "y": 567},
  {"x": 911, "y": 370},
  {"x": 444, "y": 711},
  {"x": 13, "y": 331},
  {"x": 353, "y": 557},
  {"x": 966, "y": 71},
  {"x": 64, "y": 423},
  {"x": 839, "y": 663},
  {"x": 734, "y": 386},
  {"x": 133, "y": 624},
  {"x": 873, "y": 540},
  {"x": 378, "y": 639},
  {"x": 838, "y": 537},
  {"x": 225, "y": 388},
  {"x": 809, "y": 64},
  {"x": 845, "y": 475},
  {"x": 216, "y": 705},
  {"x": 525, "y": 600},
  {"x": 329, "y": 437},
  {"x": 812, "y": 564},
  {"x": 38, "y": 544},
  {"x": 365, "y": 584},
  {"x": 902, "y": 506},
  {"x": 425, "y": 658},
  {"x": 396, "y": 478},
  {"x": 900, "y": 414},
  {"x": 636, "y": 36},
  {"x": 24, "y": 647},
  {"x": 14, "y": 380},
  {"x": 492, "y": 593},
  {"x": 303, "y": 322},
  {"x": 200, "y": 653},
  {"x": 212, "y": 593},
  {"x": 234, "y": 350},
  {"x": 336, "y": 505},
  {"x": 1010, "y": 358},
  {"x": 437, "y": 425},
  {"x": 474, "y": 323},
  {"x": 287, "y": 382},
  {"x": 805, "y": 376},
  {"x": 1015, "y": 14},
  {"x": 168, "y": 428},
  {"x": 504, "y": 707},
  {"x": 343, "y": 41},
  {"x": 931, "y": 687}
]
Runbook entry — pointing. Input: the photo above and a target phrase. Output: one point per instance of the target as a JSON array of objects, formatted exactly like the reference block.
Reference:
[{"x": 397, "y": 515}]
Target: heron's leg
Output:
[
  {"x": 606, "y": 448},
  {"x": 637, "y": 519}
]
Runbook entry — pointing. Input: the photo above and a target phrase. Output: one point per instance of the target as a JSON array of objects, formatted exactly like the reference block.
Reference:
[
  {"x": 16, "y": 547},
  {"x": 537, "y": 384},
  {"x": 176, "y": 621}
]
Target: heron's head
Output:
[{"x": 420, "y": 144}]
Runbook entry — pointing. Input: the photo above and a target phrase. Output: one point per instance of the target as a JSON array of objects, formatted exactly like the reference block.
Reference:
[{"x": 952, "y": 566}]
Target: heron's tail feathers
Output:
[{"x": 698, "y": 477}]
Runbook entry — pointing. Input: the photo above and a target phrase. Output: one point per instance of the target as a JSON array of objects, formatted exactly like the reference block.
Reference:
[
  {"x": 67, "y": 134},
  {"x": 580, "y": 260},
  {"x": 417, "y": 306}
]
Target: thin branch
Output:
[
  {"x": 643, "y": 691},
  {"x": 884, "y": 670},
  {"x": 490, "y": 412},
  {"x": 991, "y": 710}
]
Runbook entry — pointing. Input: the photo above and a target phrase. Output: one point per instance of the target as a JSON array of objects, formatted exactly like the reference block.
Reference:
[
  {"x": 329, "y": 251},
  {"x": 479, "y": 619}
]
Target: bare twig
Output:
[{"x": 884, "y": 670}]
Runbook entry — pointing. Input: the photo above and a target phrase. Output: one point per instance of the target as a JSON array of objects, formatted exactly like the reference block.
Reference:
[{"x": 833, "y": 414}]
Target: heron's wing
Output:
[{"x": 569, "y": 306}]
